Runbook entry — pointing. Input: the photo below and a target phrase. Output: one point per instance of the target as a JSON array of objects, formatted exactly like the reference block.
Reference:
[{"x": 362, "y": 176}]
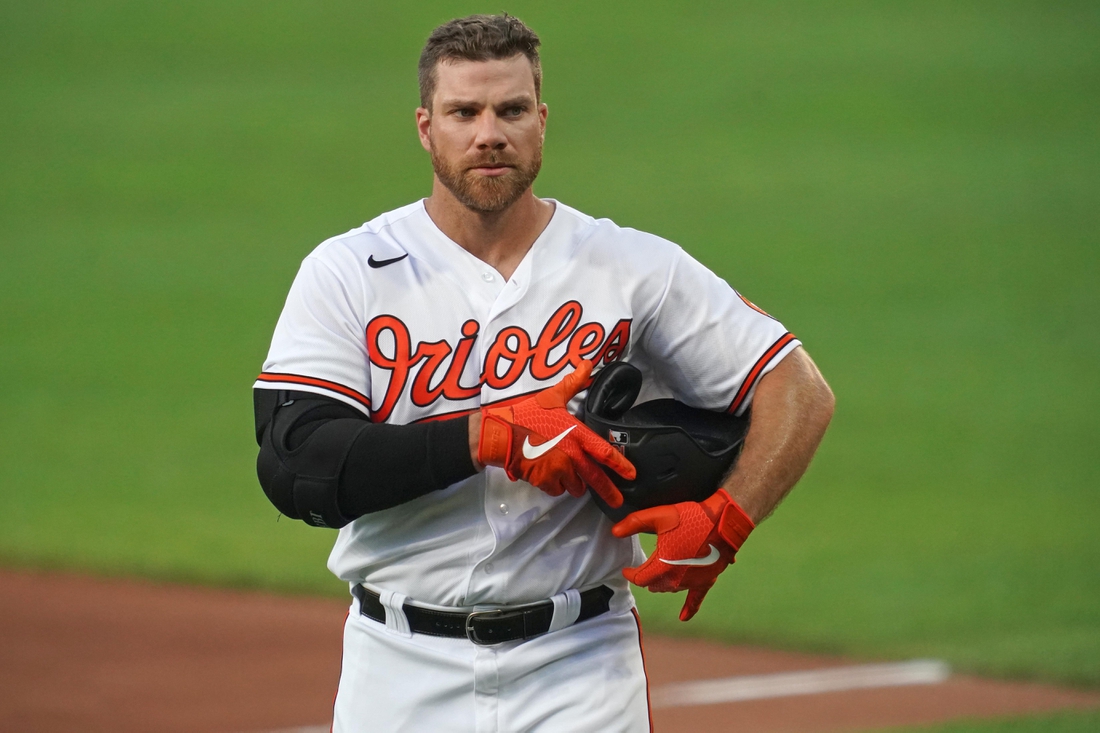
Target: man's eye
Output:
[
  {"x": 514, "y": 111},
  {"x": 464, "y": 112}
]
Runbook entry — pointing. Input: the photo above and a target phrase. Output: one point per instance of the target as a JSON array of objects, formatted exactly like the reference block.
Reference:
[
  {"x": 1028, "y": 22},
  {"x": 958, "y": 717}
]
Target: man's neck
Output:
[{"x": 500, "y": 239}]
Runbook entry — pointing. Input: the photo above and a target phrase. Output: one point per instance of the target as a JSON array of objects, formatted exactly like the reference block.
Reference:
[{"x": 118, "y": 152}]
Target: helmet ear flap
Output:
[{"x": 614, "y": 390}]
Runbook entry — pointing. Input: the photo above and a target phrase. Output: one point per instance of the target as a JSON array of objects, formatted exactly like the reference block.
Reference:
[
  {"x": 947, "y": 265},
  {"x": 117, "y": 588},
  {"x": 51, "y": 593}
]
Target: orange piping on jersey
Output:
[
  {"x": 645, "y": 672},
  {"x": 754, "y": 306},
  {"x": 758, "y": 367},
  {"x": 313, "y": 382}
]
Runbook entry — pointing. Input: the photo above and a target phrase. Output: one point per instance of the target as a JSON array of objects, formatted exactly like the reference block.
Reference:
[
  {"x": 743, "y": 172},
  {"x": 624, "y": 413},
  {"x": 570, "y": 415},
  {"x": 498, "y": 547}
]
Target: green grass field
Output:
[
  {"x": 1067, "y": 722},
  {"x": 913, "y": 188}
]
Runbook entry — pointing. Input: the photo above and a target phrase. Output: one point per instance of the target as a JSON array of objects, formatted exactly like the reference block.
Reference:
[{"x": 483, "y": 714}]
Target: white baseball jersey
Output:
[{"x": 399, "y": 321}]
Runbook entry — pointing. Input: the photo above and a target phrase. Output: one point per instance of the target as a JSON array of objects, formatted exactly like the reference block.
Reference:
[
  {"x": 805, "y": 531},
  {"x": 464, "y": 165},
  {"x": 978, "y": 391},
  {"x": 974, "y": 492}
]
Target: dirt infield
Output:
[{"x": 89, "y": 654}]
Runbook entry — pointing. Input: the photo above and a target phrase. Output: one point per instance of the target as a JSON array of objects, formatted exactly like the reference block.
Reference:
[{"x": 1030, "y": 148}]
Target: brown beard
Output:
[{"x": 485, "y": 194}]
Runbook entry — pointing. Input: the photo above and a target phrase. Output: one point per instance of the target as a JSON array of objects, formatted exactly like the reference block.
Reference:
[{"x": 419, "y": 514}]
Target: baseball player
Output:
[{"x": 421, "y": 394}]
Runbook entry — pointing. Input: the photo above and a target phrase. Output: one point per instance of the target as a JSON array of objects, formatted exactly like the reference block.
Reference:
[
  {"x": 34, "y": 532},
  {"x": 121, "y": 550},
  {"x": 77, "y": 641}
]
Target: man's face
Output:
[{"x": 484, "y": 131}]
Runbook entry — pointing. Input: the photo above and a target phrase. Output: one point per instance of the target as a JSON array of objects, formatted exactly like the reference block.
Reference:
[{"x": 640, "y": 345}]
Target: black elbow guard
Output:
[{"x": 303, "y": 446}]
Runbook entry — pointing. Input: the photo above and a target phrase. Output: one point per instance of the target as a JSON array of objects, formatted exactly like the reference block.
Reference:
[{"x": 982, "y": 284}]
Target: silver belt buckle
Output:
[{"x": 471, "y": 634}]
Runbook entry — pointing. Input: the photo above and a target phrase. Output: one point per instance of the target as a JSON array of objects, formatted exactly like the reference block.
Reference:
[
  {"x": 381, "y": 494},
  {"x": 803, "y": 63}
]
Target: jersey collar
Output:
[{"x": 549, "y": 250}]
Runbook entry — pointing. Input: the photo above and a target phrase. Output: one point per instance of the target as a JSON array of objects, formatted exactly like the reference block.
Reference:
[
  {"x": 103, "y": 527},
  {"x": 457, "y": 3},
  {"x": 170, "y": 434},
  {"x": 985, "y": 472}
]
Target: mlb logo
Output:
[{"x": 619, "y": 439}]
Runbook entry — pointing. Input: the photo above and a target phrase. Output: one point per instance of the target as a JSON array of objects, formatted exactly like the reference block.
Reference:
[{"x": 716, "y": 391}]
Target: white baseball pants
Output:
[{"x": 586, "y": 677}]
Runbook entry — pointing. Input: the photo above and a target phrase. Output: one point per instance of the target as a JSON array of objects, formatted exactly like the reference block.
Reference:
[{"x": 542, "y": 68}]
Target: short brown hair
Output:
[{"x": 477, "y": 38}]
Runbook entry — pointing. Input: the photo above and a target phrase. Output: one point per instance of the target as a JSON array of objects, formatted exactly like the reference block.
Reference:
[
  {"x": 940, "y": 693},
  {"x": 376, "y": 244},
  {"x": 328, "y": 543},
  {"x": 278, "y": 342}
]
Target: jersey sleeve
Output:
[
  {"x": 319, "y": 343},
  {"x": 709, "y": 345}
]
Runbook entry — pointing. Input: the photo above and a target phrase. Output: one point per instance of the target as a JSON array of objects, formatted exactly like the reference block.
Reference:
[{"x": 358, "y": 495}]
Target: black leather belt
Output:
[{"x": 484, "y": 627}]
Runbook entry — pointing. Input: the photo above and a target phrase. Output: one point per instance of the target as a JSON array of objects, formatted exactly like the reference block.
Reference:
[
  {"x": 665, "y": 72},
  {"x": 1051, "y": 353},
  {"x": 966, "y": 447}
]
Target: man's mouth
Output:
[{"x": 492, "y": 169}]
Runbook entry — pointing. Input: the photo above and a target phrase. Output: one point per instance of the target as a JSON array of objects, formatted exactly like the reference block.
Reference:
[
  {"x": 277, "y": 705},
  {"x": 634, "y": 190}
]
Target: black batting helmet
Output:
[{"x": 682, "y": 453}]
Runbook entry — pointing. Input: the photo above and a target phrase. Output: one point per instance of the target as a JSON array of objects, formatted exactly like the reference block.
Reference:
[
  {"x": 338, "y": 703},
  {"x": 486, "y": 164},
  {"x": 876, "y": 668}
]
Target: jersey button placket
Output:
[
  {"x": 497, "y": 484},
  {"x": 496, "y": 488}
]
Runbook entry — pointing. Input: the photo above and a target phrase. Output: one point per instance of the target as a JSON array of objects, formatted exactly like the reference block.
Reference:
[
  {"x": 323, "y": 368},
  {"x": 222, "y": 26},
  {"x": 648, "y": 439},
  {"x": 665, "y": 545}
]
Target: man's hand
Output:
[
  {"x": 537, "y": 440},
  {"x": 695, "y": 542}
]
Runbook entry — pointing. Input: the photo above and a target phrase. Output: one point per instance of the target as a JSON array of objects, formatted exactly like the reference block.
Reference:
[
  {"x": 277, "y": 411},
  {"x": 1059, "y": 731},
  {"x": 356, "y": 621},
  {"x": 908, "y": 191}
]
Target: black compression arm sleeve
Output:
[
  {"x": 377, "y": 466},
  {"x": 392, "y": 464}
]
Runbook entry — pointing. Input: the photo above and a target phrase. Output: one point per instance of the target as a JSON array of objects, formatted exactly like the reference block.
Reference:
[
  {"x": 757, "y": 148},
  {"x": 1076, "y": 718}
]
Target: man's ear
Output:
[{"x": 424, "y": 127}]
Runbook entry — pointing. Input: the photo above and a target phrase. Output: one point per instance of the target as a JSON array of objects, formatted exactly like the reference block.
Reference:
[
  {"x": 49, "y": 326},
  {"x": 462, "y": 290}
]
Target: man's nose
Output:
[{"x": 489, "y": 132}]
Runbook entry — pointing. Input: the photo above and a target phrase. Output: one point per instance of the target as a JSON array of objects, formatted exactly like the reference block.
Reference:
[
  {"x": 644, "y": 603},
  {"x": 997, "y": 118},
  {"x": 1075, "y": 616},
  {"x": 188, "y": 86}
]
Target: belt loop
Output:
[
  {"x": 567, "y": 607},
  {"x": 396, "y": 620}
]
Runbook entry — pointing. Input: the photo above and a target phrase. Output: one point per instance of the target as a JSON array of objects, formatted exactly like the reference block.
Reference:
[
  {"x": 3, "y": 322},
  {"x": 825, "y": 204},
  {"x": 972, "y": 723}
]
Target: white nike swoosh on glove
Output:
[
  {"x": 531, "y": 452},
  {"x": 708, "y": 560}
]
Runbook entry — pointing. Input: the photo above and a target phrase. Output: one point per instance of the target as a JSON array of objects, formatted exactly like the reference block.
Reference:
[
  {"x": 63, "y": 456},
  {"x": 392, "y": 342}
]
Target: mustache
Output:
[{"x": 492, "y": 160}]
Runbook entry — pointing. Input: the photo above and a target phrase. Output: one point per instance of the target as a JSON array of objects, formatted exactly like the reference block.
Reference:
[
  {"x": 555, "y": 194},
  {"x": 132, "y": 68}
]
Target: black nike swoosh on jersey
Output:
[{"x": 382, "y": 263}]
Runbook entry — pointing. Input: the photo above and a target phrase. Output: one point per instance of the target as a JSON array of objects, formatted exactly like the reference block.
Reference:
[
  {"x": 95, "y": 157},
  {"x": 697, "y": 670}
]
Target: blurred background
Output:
[{"x": 913, "y": 188}]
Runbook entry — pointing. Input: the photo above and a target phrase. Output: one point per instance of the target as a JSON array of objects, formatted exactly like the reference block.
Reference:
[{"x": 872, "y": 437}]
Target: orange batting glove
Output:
[
  {"x": 539, "y": 441},
  {"x": 695, "y": 542}
]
